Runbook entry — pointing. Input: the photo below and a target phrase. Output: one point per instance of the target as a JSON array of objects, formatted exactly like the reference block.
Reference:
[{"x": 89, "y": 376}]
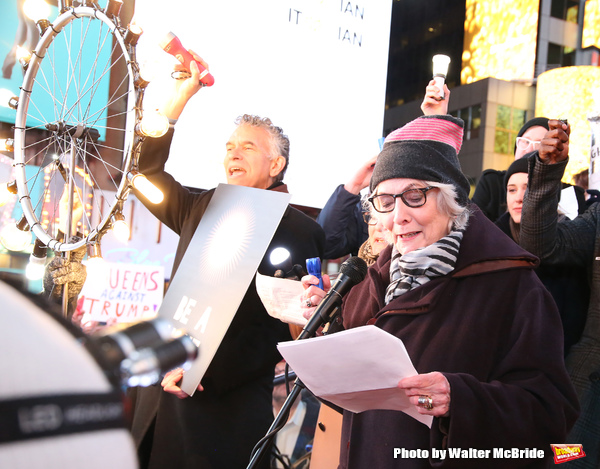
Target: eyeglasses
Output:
[
  {"x": 524, "y": 143},
  {"x": 385, "y": 203},
  {"x": 369, "y": 220}
]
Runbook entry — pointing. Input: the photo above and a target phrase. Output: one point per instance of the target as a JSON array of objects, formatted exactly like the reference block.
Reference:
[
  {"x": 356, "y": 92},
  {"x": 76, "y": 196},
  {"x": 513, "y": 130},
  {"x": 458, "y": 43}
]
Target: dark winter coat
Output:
[
  {"x": 576, "y": 243},
  {"x": 569, "y": 287},
  {"x": 493, "y": 330},
  {"x": 343, "y": 223}
]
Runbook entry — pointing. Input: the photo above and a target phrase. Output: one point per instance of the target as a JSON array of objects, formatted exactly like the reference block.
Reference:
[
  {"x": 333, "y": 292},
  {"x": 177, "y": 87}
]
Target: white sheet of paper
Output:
[
  {"x": 357, "y": 369},
  {"x": 281, "y": 298},
  {"x": 567, "y": 204}
]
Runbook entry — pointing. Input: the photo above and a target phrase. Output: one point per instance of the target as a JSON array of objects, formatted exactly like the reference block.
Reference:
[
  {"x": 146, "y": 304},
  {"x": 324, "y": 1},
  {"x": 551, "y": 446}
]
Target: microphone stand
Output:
[{"x": 283, "y": 415}]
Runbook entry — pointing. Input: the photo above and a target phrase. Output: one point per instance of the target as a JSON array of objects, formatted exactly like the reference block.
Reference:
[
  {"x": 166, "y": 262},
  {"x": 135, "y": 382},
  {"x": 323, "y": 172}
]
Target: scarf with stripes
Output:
[{"x": 418, "y": 267}]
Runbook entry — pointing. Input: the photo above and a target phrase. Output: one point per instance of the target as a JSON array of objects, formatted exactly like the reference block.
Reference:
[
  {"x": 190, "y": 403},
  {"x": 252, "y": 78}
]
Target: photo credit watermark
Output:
[
  {"x": 564, "y": 453},
  {"x": 469, "y": 453}
]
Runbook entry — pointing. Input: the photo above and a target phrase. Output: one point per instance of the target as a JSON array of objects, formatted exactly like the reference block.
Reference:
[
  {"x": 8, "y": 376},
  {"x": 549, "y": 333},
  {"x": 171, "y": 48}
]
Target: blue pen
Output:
[{"x": 313, "y": 265}]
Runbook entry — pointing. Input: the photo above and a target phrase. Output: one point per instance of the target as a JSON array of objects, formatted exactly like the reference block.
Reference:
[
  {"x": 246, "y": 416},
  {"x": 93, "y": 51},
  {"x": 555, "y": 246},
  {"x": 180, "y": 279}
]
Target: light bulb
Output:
[
  {"x": 95, "y": 263},
  {"x": 440, "y": 70},
  {"x": 120, "y": 229},
  {"x": 23, "y": 56},
  {"x": 279, "y": 256},
  {"x": 440, "y": 65},
  {"x": 7, "y": 190},
  {"x": 7, "y": 144},
  {"x": 36, "y": 267},
  {"x": 146, "y": 188},
  {"x": 13, "y": 239},
  {"x": 36, "y": 10},
  {"x": 8, "y": 98},
  {"x": 133, "y": 34},
  {"x": 153, "y": 124}
]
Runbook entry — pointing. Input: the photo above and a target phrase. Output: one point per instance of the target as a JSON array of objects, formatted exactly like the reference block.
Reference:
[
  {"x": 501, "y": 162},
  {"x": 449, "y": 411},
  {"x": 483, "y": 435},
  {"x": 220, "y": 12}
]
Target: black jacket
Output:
[{"x": 218, "y": 427}]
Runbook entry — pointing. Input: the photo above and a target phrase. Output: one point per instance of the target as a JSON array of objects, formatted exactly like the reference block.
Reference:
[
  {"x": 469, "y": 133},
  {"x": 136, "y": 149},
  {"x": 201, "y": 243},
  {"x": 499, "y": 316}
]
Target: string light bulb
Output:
[
  {"x": 145, "y": 187},
  {"x": 7, "y": 190},
  {"x": 133, "y": 34},
  {"x": 113, "y": 8},
  {"x": 95, "y": 260},
  {"x": 153, "y": 124},
  {"x": 37, "y": 261},
  {"x": 23, "y": 56},
  {"x": 120, "y": 227},
  {"x": 8, "y": 99},
  {"x": 7, "y": 144},
  {"x": 14, "y": 239},
  {"x": 38, "y": 11}
]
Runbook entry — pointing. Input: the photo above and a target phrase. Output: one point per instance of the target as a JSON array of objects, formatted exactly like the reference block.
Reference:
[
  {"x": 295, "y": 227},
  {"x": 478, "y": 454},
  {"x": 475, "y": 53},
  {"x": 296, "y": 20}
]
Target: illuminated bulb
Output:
[
  {"x": 23, "y": 56},
  {"x": 133, "y": 34},
  {"x": 64, "y": 5},
  {"x": 7, "y": 190},
  {"x": 153, "y": 124},
  {"x": 95, "y": 260},
  {"x": 37, "y": 261},
  {"x": 8, "y": 99},
  {"x": 13, "y": 239},
  {"x": 145, "y": 187},
  {"x": 279, "y": 256},
  {"x": 36, "y": 10},
  {"x": 7, "y": 144},
  {"x": 440, "y": 65},
  {"x": 120, "y": 228},
  {"x": 148, "y": 71},
  {"x": 440, "y": 70},
  {"x": 113, "y": 8}
]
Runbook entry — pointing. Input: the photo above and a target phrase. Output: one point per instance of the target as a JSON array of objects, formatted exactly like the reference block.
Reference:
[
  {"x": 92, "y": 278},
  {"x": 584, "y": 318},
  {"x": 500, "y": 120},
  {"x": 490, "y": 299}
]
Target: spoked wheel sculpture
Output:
[{"x": 76, "y": 143}]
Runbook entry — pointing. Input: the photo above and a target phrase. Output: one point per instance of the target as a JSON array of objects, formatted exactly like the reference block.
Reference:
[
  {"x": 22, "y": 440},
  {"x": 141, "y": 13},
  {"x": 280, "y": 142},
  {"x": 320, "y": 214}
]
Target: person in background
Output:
[
  {"x": 490, "y": 191},
  {"x": 377, "y": 241},
  {"x": 575, "y": 243},
  {"x": 567, "y": 284},
  {"x": 482, "y": 331},
  {"x": 342, "y": 217},
  {"x": 581, "y": 179}
]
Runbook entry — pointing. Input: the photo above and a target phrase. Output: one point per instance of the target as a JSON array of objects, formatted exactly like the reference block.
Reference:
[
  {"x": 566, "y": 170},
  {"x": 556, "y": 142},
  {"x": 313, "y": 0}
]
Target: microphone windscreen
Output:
[{"x": 355, "y": 268}]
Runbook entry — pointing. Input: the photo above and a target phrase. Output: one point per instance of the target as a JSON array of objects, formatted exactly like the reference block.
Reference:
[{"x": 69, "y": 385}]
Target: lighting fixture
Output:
[
  {"x": 37, "y": 261},
  {"x": 133, "y": 34},
  {"x": 153, "y": 124},
  {"x": 440, "y": 70},
  {"x": 120, "y": 227},
  {"x": 145, "y": 187}
]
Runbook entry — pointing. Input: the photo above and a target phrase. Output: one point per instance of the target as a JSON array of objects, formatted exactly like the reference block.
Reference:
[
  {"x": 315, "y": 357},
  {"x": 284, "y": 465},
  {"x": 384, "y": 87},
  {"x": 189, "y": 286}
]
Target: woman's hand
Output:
[
  {"x": 313, "y": 295},
  {"x": 434, "y": 391},
  {"x": 554, "y": 147},
  {"x": 433, "y": 103},
  {"x": 170, "y": 383}
]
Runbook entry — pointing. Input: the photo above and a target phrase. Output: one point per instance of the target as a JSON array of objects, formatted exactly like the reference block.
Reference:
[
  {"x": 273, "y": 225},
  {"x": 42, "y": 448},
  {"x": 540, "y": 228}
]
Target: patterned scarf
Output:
[{"x": 418, "y": 267}]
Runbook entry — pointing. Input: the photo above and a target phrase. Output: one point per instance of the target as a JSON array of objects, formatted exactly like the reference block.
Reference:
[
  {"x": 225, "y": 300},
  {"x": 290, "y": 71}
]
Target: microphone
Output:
[
  {"x": 352, "y": 272},
  {"x": 172, "y": 45}
]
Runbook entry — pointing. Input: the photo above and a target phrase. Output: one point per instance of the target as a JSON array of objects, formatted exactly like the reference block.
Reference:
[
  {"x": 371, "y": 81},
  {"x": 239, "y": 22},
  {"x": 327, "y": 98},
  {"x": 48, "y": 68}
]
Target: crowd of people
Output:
[{"x": 495, "y": 298}]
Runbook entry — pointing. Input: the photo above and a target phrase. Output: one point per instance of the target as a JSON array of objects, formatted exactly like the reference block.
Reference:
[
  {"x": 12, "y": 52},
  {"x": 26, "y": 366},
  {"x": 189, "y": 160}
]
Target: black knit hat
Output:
[
  {"x": 518, "y": 166},
  {"x": 536, "y": 121},
  {"x": 425, "y": 149}
]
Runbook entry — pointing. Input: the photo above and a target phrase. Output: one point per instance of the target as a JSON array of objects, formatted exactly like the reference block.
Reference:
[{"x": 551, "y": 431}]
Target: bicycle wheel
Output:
[{"x": 75, "y": 127}]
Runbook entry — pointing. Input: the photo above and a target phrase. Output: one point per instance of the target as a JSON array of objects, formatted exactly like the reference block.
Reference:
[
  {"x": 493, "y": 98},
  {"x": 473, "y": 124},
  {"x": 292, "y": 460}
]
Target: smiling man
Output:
[{"x": 218, "y": 426}]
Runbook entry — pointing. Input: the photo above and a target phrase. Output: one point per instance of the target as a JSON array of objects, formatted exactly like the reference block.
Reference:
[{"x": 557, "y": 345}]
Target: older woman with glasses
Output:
[{"x": 482, "y": 331}]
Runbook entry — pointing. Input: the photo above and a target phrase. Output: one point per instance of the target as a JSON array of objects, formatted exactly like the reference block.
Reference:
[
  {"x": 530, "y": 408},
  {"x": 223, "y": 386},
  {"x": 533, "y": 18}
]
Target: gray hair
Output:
[
  {"x": 280, "y": 143},
  {"x": 447, "y": 204}
]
